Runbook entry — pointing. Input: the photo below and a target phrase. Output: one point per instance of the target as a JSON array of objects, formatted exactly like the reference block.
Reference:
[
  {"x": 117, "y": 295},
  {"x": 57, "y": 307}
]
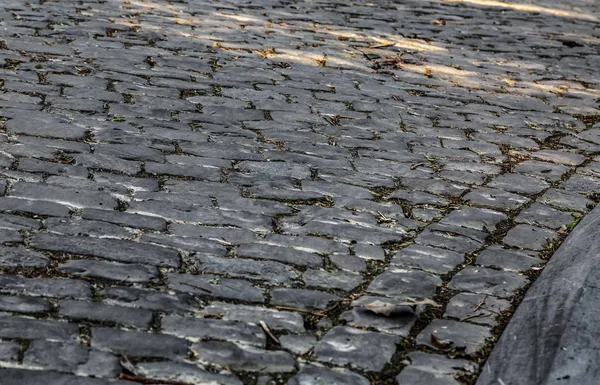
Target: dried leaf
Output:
[
  {"x": 441, "y": 344},
  {"x": 265, "y": 327},
  {"x": 563, "y": 230},
  {"x": 389, "y": 308},
  {"x": 372, "y": 56},
  {"x": 382, "y": 45},
  {"x": 127, "y": 365}
]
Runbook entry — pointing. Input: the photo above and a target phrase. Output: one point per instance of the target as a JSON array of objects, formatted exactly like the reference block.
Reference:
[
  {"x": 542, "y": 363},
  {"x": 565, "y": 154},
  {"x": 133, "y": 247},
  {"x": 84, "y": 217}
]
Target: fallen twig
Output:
[
  {"x": 268, "y": 331},
  {"x": 300, "y": 310},
  {"x": 481, "y": 303},
  {"x": 474, "y": 316}
]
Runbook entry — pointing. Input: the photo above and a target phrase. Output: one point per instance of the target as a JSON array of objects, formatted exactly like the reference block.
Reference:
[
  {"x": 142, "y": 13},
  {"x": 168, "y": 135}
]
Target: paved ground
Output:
[{"x": 277, "y": 191}]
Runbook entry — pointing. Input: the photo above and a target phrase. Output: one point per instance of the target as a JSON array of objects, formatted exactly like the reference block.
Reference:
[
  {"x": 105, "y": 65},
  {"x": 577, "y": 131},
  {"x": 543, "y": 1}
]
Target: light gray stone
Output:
[
  {"x": 448, "y": 334},
  {"x": 344, "y": 345}
]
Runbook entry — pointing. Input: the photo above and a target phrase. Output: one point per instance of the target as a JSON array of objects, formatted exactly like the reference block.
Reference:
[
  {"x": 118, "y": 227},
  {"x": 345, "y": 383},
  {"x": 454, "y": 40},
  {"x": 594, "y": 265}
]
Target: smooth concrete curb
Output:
[{"x": 554, "y": 336}]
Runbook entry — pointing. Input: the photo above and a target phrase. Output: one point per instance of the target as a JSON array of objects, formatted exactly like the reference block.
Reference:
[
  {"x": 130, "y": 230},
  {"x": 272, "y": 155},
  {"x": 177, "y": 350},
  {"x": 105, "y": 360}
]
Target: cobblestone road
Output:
[{"x": 274, "y": 191}]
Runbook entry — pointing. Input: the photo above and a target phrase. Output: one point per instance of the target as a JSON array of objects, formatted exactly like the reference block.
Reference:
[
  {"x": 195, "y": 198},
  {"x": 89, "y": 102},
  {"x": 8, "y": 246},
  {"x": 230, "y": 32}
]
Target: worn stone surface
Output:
[
  {"x": 508, "y": 259},
  {"x": 398, "y": 322},
  {"x": 94, "y": 311},
  {"x": 529, "y": 237},
  {"x": 196, "y": 173},
  {"x": 298, "y": 344},
  {"x": 276, "y": 320},
  {"x": 215, "y": 286},
  {"x": 433, "y": 369},
  {"x": 138, "y": 344},
  {"x": 431, "y": 259},
  {"x": 453, "y": 334},
  {"x": 479, "y": 308},
  {"x": 114, "y": 271},
  {"x": 205, "y": 328},
  {"x": 495, "y": 198},
  {"x": 474, "y": 218},
  {"x": 397, "y": 282},
  {"x": 545, "y": 216},
  {"x": 228, "y": 354},
  {"x": 344, "y": 345},
  {"x": 313, "y": 375},
  {"x": 182, "y": 372},
  {"x": 302, "y": 298},
  {"x": 487, "y": 281},
  {"x": 57, "y": 356}
]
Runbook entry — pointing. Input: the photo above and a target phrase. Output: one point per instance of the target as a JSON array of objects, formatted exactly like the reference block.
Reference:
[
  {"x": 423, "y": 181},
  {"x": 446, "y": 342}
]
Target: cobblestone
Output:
[{"x": 235, "y": 192}]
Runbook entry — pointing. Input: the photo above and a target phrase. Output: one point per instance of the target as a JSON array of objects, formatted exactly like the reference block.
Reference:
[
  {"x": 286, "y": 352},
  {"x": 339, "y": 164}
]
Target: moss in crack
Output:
[
  {"x": 589, "y": 119},
  {"x": 121, "y": 205},
  {"x": 128, "y": 99},
  {"x": 217, "y": 90},
  {"x": 387, "y": 376},
  {"x": 502, "y": 228},
  {"x": 382, "y": 192},
  {"x": 64, "y": 158}
]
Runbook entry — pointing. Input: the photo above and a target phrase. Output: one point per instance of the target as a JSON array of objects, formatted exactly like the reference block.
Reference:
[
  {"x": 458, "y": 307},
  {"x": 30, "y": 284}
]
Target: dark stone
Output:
[
  {"x": 150, "y": 299},
  {"x": 113, "y": 249},
  {"x": 298, "y": 344},
  {"x": 196, "y": 328},
  {"x": 18, "y": 257},
  {"x": 474, "y": 218},
  {"x": 398, "y": 322},
  {"x": 519, "y": 184},
  {"x": 280, "y": 254},
  {"x": 507, "y": 259},
  {"x": 36, "y": 377},
  {"x": 95, "y": 311},
  {"x": 30, "y": 329},
  {"x": 302, "y": 298},
  {"x": 100, "y": 364},
  {"x": 477, "y": 308},
  {"x": 494, "y": 198},
  {"x": 337, "y": 280},
  {"x": 488, "y": 281},
  {"x": 120, "y": 272},
  {"x": 529, "y": 237},
  {"x": 24, "y": 304},
  {"x": 396, "y": 282},
  {"x": 138, "y": 344},
  {"x": 184, "y": 373},
  {"x": 431, "y": 369},
  {"x": 566, "y": 200},
  {"x": 59, "y": 356},
  {"x": 125, "y": 219},
  {"x": 48, "y": 287},
  {"x": 434, "y": 260},
  {"x": 276, "y": 320},
  {"x": 9, "y": 351},
  {"x": 316, "y": 375},
  {"x": 545, "y": 216},
  {"x": 274, "y": 272},
  {"x": 243, "y": 358},
  {"x": 213, "y": 286}
]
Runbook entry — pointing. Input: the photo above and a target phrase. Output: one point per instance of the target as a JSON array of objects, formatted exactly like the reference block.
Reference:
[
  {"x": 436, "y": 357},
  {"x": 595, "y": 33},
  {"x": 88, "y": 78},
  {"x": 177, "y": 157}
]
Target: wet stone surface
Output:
[{"x": 267, "y": 192}]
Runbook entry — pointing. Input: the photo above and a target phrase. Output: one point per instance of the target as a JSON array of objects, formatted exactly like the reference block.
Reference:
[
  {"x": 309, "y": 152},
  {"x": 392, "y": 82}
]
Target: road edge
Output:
[{"x": 554, "y": 336}]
